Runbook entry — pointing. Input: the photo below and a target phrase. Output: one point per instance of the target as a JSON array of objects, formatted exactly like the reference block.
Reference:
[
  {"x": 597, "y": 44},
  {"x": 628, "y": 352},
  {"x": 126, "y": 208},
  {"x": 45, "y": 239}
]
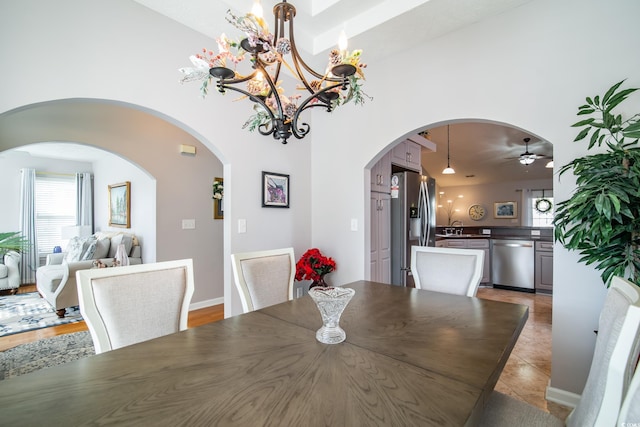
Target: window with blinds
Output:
[{"x": 55, "y": 208}]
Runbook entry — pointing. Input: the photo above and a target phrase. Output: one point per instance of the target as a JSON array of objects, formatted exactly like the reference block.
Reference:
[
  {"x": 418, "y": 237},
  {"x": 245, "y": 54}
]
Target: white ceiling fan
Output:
[{"x": 527, "y": 157}]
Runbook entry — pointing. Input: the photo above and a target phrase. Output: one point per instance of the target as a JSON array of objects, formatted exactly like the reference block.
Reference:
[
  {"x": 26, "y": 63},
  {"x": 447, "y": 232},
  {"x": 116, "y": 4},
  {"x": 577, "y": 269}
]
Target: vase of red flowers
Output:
[{"x": 314, "y": 266}]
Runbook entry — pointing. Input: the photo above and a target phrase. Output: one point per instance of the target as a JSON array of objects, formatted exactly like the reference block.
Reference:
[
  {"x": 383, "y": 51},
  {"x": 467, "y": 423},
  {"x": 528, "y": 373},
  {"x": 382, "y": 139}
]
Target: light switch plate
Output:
[
  {"x": 188, "y": 224},
  {"x": 535, "y": 232},
  {"x": 354, "y": 224},
  {"x": 242, "y": 226}
]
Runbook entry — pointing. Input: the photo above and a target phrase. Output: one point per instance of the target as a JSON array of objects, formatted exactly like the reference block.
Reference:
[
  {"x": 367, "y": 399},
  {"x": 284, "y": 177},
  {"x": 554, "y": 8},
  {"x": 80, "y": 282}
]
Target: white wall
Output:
[
  {"x": 530, "y": 67},
  {"x": 110, "y": 170},
  {"x": 119, "y": 50}
]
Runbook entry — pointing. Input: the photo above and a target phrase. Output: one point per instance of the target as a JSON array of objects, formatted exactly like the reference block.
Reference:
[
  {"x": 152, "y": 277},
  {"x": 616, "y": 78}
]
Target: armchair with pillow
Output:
[
  {"x": 56, "y": 280},
  {"x": 10, "y": 272}
]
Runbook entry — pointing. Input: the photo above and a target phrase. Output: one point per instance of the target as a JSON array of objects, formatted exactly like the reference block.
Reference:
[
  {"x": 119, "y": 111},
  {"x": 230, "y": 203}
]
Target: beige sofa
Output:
[{"x": 56, "y": 280}]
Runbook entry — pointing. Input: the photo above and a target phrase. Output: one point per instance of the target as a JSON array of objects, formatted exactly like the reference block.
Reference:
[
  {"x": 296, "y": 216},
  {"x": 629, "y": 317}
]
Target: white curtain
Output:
[
  {"x": 29, "y": 262},
  {"x": 84, "y": 203}
]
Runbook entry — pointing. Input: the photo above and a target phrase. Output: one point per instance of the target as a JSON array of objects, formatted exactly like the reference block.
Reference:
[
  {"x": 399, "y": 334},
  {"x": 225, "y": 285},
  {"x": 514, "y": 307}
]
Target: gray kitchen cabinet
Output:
[
  {"x": 482, "y": 244},
  {"x": 381, "y": 175},
  {"x": 381, "y": 237},
  {"x": 407, "y": 155},
  {"x": 544, "y": 267}
]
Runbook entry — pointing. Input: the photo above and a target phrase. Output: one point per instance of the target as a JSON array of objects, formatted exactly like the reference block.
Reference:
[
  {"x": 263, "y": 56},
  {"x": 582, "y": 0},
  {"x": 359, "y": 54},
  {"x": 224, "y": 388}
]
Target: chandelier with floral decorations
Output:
[{"x": 275, "y": 112}]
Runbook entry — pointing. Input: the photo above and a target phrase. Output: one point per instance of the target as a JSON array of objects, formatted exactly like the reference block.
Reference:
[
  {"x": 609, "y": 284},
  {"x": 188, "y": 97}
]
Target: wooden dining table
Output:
[{"x": 411, "y": 357}]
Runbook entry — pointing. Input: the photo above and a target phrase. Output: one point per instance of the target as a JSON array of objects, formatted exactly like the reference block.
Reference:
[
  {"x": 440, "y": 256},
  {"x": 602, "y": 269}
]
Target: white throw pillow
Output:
[
  {"x": 90, "y": 249},
  {"x": 124, "y": 239},
  {"x": 102, "y": 248},
  {"x": 77, "y": 247},
  {"x": 74, "y": 249}
]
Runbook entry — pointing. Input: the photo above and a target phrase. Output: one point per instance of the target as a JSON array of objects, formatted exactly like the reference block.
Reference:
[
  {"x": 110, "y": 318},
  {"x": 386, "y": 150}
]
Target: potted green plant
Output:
[
  {"x": 12, "y": 241},
  {"x": 601, "y": 220}
]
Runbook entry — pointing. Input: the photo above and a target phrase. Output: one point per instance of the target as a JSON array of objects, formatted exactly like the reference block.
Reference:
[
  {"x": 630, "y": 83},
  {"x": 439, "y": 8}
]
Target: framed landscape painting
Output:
[
  {"x": 275, "y": 190},
  {"x": 505, "y": 210},
  {"x": 120, "y": 205}
]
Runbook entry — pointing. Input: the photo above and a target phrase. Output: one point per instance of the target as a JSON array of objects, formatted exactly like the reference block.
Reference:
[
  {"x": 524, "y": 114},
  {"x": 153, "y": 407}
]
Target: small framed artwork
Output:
[
  {"x": 505, "y": 210},
  {"x": 275, "y": 190},
  {"x": 218, "y": 193},
  {"x": 120, "y": 205}
]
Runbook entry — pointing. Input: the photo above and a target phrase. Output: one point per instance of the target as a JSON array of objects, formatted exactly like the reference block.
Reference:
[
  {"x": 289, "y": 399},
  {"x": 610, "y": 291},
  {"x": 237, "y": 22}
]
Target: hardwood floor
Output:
[{"x": 525, "y": 376}]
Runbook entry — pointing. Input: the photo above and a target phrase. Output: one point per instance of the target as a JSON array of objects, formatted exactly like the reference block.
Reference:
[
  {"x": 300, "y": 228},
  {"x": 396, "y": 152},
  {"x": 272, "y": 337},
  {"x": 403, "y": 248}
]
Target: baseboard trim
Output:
[
  {"x": 206, "y": 303},
  {"x": 562, "y": 397}
]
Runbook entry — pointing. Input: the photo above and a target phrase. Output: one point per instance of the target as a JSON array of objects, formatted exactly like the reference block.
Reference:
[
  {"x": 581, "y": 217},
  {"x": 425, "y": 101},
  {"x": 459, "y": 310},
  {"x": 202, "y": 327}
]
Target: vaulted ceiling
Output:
[{"x": 480, "y": 152}]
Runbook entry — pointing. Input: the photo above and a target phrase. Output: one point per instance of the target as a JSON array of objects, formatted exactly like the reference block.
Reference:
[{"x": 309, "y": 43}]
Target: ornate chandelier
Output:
[{"x": 276, "y": 113}]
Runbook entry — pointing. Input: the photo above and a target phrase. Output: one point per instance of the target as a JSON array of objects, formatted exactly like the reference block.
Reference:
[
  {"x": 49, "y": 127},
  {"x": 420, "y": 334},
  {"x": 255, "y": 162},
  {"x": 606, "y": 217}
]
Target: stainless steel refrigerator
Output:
[{"x": 413, "y": 221}]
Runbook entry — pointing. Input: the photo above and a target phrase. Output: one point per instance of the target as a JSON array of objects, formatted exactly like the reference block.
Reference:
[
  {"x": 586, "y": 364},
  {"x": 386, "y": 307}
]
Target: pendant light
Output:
[{"x": 448, "y": 170}]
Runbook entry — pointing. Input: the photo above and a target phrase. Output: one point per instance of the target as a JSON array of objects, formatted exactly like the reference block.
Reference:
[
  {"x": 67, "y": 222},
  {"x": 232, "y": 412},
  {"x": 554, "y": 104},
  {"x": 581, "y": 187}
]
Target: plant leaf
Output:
[
  {"x": 610, "y": 92},
  {"x": 582, "y": 134},
  {"x": 583, "y": 123}
]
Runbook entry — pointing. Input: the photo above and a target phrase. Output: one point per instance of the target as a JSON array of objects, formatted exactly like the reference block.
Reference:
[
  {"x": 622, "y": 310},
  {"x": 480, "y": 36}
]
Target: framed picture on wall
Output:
[
  {"x": 275, "y": 190},
  {"x": 120, "y": 205},
  {"x": 505, "y": 210},
  {"x": 218, "y": 193}
]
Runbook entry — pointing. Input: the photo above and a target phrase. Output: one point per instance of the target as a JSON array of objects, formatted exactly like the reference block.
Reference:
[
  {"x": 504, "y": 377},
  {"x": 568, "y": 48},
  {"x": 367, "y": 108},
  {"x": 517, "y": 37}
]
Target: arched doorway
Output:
[{"x": 152, "y": 142}]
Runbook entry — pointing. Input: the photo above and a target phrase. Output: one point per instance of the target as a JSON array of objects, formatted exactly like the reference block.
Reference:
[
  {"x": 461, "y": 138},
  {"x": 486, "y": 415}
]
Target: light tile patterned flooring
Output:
[{"x": 526, "y": 375}]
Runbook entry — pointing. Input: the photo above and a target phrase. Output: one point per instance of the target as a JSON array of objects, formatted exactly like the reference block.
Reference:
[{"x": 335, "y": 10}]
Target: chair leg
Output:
[{"x": 61, "y": 312}]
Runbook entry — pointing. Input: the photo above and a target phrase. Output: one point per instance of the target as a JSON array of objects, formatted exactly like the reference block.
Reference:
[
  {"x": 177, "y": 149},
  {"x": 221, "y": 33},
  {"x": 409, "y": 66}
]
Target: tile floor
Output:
[{"x": 526, "y": 375}]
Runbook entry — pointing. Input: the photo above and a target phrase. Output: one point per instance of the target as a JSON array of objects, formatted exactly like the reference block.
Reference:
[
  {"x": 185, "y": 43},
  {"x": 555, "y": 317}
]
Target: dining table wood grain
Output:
[{"x": 411, "y": 357}]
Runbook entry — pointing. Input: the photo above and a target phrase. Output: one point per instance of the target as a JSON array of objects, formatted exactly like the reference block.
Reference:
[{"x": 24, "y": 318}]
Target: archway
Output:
[
  {"x": 152, "y": 142},
  {"x": 488, "y": 171}
]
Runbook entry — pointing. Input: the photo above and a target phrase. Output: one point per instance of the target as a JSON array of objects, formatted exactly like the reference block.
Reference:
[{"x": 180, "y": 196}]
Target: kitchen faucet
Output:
[{"x": 457, "y": 222}]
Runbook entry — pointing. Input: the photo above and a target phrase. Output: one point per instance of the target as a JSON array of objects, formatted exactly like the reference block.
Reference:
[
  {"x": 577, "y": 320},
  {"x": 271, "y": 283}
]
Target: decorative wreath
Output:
[{"x": 543, "y": 205}]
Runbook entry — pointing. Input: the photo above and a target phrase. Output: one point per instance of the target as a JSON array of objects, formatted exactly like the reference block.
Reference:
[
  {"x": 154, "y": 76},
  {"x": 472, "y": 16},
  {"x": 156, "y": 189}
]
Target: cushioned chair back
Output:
[
  {"x": 614, "y": 359},
  {"x": 448, "y": 270},
  {"x": 630, "y": 412},
  {"x": 127, "y": 305},
  {"x": 264, "y": 278}
]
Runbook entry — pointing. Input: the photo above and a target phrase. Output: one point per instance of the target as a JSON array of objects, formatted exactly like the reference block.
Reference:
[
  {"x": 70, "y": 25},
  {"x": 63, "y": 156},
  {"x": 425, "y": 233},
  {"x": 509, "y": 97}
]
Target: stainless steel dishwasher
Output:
[{"x": 512, "y": 264}]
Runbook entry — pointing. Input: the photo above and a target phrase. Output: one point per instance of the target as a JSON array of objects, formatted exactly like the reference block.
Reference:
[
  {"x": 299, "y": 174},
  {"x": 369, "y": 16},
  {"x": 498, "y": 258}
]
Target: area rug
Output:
[
  {"x": 26, "y": 312},
  {"x": 48, "y": 352}
]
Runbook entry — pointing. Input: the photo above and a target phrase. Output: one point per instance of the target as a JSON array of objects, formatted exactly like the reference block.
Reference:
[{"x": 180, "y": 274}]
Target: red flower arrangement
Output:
[{"x": 313, "y": 265}]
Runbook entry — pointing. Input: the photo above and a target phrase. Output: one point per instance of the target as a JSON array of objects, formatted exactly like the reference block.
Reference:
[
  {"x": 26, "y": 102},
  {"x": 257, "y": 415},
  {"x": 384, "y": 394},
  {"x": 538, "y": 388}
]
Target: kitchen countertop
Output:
[
  {"x": 463, "y": 236},
  {"x": 485, "y": 236}
]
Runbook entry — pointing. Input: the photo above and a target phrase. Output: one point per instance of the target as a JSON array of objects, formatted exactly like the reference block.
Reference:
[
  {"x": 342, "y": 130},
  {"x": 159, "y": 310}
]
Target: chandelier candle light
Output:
[{"x": 277, "y": 114}]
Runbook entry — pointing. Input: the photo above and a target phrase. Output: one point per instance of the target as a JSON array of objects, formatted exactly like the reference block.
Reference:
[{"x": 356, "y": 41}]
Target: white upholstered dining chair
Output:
[
  {"x": 127, "y": 305},
  {"x": 630, "y": 411},
  {"x": 448, "y": 270},
  {"x": 614, "y": 360},
  {"x": 264, "y": 278}
]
